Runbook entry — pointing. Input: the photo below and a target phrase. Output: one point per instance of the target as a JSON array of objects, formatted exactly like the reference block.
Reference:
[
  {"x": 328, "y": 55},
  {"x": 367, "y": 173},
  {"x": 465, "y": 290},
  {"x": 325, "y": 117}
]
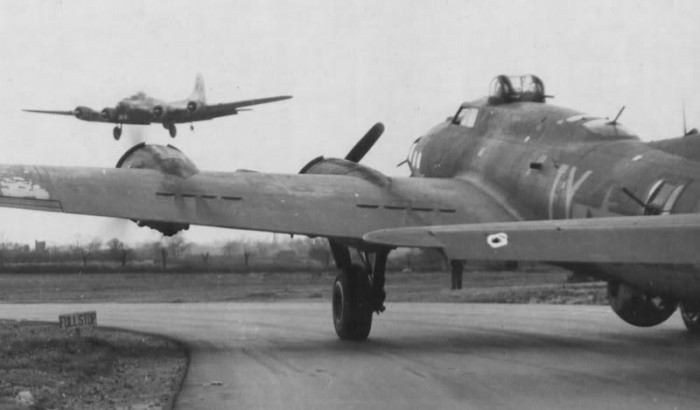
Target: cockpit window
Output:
[
  {"x": 466, "y": 116},
  {"x": 606, "y": 129},
  {"x": 505, "y": 89}
]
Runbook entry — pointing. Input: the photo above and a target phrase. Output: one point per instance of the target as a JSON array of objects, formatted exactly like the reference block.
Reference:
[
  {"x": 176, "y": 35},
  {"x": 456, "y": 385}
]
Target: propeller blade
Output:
[{"x": 365, "y": 143}]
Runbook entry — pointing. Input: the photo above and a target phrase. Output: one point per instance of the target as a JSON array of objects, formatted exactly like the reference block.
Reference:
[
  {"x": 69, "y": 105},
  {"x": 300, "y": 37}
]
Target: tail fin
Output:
[{"x": 198, "y": 92}]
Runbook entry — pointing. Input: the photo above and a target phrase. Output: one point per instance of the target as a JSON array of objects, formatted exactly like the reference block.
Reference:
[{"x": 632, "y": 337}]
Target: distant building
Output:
[{"x": 40, "y": 246}]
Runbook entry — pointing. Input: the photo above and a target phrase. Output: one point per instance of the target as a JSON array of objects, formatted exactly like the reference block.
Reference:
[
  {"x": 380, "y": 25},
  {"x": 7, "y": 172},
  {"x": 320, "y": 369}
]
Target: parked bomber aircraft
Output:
[
  {"x": 141, "y": 109},
  {"x": 507, "y": 177}
]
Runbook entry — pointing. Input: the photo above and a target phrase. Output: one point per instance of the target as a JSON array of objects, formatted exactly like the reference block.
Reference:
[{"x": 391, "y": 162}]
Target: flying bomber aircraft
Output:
[
  {"x": 507, "y": 177},
  {"x": 140, "y": 109}
]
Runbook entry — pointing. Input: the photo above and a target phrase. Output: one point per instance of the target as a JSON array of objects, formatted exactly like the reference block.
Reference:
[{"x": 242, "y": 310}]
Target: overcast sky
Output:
[{"x": 348, "y": 64}]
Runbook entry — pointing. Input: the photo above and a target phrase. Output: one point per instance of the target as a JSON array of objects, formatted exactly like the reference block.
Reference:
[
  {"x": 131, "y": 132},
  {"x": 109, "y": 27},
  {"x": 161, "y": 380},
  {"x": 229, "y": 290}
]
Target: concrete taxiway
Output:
[{"x": 448, "y": 356}]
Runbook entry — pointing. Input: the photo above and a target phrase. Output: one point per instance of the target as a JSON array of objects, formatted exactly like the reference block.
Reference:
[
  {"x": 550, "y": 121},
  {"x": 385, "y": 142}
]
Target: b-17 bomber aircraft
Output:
[
  {"x": 140, "y": 109},
  {"x": 507, "y": 177}
]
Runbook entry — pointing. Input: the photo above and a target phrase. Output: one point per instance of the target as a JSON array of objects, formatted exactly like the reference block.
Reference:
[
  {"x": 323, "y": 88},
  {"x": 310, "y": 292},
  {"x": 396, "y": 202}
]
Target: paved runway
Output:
[{"x": 448, "y": 356}]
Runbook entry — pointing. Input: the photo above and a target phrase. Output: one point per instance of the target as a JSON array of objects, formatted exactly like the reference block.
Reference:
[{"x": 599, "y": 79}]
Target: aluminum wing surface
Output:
[
  {"x": 337, "y": 206},
  {"x": 208, "y": 112},
  {"x": 670, "y": 239},
  {"x": 81, "y": 113}
]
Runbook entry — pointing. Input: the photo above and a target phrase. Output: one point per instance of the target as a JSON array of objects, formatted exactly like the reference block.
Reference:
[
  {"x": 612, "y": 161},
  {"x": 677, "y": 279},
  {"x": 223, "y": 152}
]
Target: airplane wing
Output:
[
  {"x": 81, "y": 113},
  {"x": 69, "y": 112},
  {"x": 669, "y": 239},
  {"x": 248, "y": 103},
  {"x": 338, "y": 206},
  {"x": 208, "y": 112}
]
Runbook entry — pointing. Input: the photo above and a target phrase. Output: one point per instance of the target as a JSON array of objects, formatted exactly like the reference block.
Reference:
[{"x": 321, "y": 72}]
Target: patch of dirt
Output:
[{"x": 104, "y": 369}]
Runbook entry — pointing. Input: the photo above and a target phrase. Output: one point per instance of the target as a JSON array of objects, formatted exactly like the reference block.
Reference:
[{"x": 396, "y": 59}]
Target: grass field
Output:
[
  {"x": 104, "y": 369},
  {"x": 480, "y": 286}
]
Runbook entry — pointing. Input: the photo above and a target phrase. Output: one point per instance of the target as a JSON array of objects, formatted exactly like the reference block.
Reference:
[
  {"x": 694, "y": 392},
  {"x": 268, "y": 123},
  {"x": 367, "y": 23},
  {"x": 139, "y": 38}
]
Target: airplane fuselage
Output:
[{"x": 548, "y": 162}]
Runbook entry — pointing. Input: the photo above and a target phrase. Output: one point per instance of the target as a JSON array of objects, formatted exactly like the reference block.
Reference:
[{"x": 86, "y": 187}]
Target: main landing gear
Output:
[
  {"x": 117, "y": 132},
  {"x": 358, "y": 292},
  {"x": 639, "y": 308},
  {"x": 171, "y": 129}
]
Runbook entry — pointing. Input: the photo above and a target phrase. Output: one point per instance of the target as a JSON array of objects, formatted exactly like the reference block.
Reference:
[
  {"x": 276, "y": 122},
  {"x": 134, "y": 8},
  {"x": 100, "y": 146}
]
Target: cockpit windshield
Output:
[{"x": 505, "y": 89}]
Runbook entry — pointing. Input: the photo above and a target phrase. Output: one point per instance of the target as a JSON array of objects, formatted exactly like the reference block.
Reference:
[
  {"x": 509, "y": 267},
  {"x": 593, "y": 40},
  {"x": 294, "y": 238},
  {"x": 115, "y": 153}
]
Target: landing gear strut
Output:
[
  {"x": 358, "y": 291},
  {"x": 117, "y": 132},
  {"x": 171, "y": 129},
  {"x": 457, "y": 269}
]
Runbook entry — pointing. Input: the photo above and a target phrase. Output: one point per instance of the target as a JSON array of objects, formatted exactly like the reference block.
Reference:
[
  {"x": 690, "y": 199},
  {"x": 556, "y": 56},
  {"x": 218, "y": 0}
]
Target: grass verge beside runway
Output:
[
  {"x": 548, "y": 286},
  {"x": 104, "y": 369}
]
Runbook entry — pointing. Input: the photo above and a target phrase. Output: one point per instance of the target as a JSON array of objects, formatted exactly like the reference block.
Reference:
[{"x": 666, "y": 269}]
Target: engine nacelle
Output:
[
  {"x": 192, "y": 106},
  {"x": 638, "y": 308},
  {"x": 109, "y": 114},
  {"x": 158, "y": 111},
  {"x": 338, "y": 166},
  {"x": 166, "y": 159},
  {"x": 83, "y": 113}
]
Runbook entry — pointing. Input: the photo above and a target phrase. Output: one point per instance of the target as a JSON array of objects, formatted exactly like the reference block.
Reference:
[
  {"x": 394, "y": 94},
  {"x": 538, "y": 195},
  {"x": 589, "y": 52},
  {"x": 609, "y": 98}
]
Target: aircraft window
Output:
[
  {"x": 527, "y": 84},
  {"x": 603, "y": 128},
  {"x": 467, "y": 116},
  {"x": 505, "y": 89}
]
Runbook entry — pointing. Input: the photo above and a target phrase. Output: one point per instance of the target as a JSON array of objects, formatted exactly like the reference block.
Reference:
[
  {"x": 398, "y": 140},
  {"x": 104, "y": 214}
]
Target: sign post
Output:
[{"x": 77, "y": 321}]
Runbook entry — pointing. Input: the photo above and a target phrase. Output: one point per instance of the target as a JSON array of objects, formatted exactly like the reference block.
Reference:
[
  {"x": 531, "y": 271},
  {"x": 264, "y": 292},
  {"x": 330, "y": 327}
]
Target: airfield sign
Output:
[{"x": 77, "y": 320}]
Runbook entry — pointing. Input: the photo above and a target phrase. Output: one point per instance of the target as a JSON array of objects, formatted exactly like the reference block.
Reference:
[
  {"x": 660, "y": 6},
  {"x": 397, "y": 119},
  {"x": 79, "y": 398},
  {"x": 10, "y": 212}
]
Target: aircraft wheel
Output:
[
  {"x": 117, "y": 133},
  {"x": 638, "y": 308},
  {"x": 352, "y": 308},
  {"x": 173, "y": 130},
  {"x": 690, "y": 313}
]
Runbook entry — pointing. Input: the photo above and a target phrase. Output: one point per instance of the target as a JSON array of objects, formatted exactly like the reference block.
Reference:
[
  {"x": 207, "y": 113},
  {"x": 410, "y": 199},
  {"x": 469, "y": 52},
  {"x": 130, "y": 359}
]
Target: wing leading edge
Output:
[
  {"x": 337, "y": 206},
  {"x": 670, "y": 239}
]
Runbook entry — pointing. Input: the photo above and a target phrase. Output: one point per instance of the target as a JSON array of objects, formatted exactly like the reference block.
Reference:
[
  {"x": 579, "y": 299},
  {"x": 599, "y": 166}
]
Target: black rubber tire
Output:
[
  {"x": 172, "y": 130},
  {"x": 117, "y": 133},
  {"x": 690, "y": 313},
  {"x": 352, "y": 308},
  {"x": 638, "y": 308}
]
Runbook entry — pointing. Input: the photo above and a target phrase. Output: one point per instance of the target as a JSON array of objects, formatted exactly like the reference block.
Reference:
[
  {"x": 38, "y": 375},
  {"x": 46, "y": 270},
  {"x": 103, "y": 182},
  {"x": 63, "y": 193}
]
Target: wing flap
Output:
[{"x": 669, "y": 239}]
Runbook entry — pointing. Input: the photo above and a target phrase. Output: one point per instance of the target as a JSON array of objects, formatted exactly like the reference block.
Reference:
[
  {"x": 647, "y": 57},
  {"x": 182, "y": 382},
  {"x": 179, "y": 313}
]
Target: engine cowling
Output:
[
  {"x": 639, "y": 308},
  {"x": 158, "y": 111},
  {"x": 82, "y": 113},
  {"x": 109, "y": 114},
  {"x": 192, "y": 106},
  {"x": 338, "y": 166},
  {"x": 166, "y": 159}
]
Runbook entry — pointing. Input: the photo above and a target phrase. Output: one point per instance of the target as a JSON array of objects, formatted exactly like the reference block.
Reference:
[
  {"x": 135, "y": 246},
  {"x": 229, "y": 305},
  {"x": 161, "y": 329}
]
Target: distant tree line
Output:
[{"x": 177, "y": 254}]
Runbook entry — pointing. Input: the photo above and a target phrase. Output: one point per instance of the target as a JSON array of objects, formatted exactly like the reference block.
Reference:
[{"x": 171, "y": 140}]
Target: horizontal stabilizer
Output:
[{"x": 670, "y": 239}]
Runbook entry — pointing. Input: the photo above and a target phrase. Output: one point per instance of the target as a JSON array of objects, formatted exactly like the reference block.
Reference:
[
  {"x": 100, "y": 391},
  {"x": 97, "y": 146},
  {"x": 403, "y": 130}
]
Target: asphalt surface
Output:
[{"x": 448, "y": 356}]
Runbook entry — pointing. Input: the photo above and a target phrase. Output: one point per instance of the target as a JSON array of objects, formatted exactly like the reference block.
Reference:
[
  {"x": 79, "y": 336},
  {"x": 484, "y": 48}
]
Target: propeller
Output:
[{"x": 365, "y": 143}]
